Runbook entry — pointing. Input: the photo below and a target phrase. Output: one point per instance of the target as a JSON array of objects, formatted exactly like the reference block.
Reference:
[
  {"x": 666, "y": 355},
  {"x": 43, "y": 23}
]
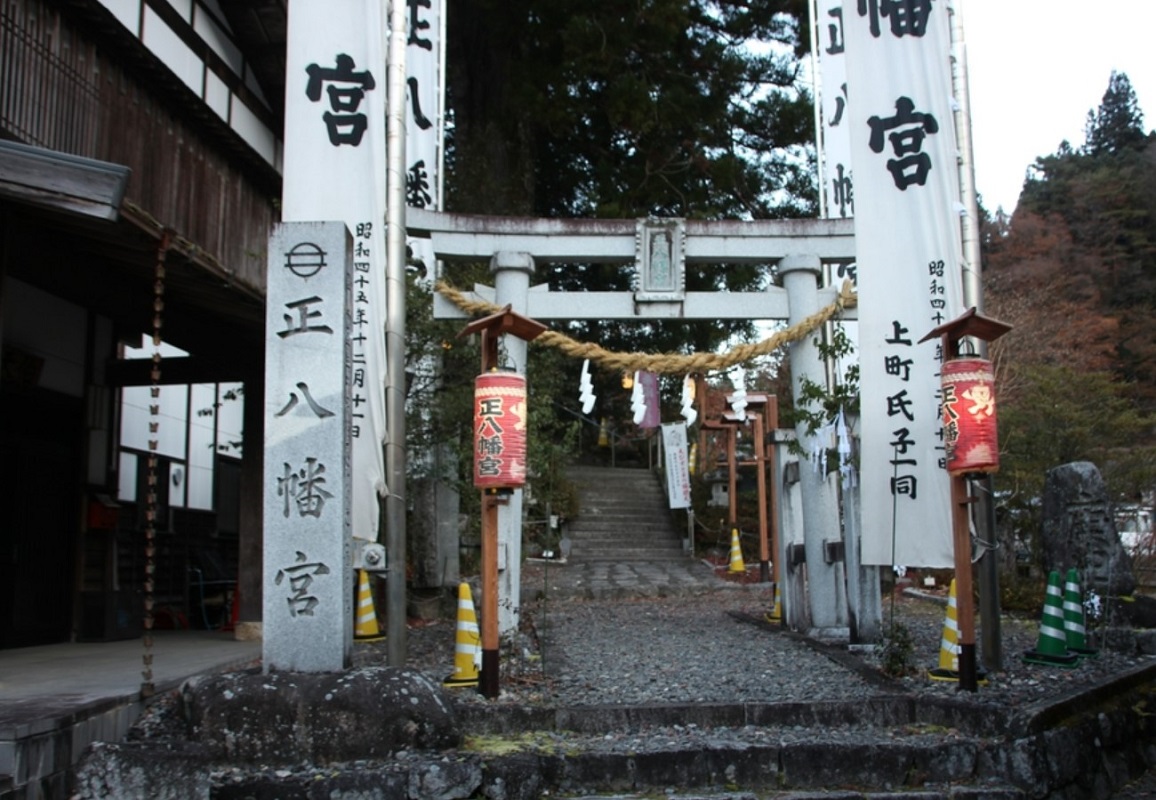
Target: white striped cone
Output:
[
  {"x": 365, "y": 629},
  {"x": 1074, "y": 628},
  {"x": 1052, "y": 647},
  {"x": 1053, "y": 640},
  {"x": 1074, "y": 631},
  {"x": 467, "y": 642},
  {"x": 949, "y": 641}
]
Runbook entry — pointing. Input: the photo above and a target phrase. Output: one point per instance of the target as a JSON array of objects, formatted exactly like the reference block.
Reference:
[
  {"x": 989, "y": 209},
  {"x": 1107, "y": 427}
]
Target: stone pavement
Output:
[
  {"x": 607, "y": 580},
  {"x": 56, "y": 699}
]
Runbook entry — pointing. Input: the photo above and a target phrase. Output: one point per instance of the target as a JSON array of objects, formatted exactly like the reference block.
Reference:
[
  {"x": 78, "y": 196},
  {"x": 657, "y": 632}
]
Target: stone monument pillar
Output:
[
  {"x": 308, "y": 573},
  {"x": 1079, "y": 531}
]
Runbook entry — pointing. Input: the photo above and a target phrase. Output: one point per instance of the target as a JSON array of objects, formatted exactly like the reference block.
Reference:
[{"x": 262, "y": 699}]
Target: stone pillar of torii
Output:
[{"x": 658, "y": 251}]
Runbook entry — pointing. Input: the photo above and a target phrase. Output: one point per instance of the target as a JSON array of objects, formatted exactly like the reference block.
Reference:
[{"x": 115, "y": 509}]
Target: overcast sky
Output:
[{"x": 1035, "y": 69}]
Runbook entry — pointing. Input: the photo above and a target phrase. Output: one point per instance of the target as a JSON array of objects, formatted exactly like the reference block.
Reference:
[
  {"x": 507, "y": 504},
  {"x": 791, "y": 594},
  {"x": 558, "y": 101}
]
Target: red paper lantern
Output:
[
  {"x": 500, "y": 430},
  {"x": 969, "y": 418}
]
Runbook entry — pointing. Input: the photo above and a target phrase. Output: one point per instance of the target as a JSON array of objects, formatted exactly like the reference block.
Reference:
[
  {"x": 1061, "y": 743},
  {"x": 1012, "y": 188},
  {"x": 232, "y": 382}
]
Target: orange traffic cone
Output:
[
  {"x": 365, "y": 628},
  {"x": 467, "y": 642},
  {"x": 736, "y": 564}
]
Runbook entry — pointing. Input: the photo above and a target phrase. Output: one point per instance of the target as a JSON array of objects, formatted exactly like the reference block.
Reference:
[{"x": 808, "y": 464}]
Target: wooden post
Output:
[
  {"x": 761, "y": 466},
  {"x": 772, "y": 417},
  {"x": 490, "y": 328},
  {"x": 488, "y": 677},
  {"x": 964, "y": 604},
  {"x": 951, "y": 333},
  {"x": 732, "y": 477}
]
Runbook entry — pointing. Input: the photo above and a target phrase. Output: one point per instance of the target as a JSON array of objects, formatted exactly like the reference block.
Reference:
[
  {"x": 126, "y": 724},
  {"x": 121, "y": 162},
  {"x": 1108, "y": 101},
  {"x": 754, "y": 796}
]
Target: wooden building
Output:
[{"x": 139, "y": 181}]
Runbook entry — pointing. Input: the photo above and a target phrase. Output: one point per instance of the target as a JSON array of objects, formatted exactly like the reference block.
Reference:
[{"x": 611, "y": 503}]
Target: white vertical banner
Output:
[
  {"x": 835, "y": 148},
  {"x": 335, "y": 169},
  {"x": 677, "y": 464},
  {"x": 835, "y": 130},
  {"x": 425, "y": 128},
  {"x": 907, "y": 209},
  {"x": 425, "y": 123}
]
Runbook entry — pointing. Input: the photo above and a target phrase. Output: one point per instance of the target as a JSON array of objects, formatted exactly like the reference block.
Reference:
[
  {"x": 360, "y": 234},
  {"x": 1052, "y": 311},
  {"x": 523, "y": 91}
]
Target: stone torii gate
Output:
[{"x": 658, "y": 250}]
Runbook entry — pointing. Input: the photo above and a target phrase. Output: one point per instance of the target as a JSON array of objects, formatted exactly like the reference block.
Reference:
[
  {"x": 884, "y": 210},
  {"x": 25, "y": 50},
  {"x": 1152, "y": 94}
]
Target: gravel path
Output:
[{"x": 716, "y": 647}]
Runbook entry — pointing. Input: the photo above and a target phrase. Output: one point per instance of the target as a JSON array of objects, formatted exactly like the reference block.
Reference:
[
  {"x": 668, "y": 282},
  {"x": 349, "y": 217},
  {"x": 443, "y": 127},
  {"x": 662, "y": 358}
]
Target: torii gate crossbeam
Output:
[{"x": 460, "y": 237}]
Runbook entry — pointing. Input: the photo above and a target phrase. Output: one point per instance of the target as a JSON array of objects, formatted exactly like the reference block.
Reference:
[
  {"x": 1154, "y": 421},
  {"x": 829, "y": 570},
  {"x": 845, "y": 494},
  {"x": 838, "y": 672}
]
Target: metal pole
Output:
[
  {"x": 984, "y": 518},
  {"x": 395, "y": 341}
]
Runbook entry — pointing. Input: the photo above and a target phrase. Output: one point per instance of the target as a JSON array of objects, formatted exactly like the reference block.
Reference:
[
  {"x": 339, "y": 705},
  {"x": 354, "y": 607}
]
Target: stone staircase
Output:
[{"x": 623, "y": 517}]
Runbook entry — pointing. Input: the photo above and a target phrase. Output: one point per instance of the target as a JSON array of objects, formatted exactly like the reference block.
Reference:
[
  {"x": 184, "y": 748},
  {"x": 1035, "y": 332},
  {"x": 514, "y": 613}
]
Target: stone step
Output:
[
  {"x": 609, "y": 547},
  {"x": 605, "y": 540},
  {"x": 614, "y": 533},
  {"x": 624, "y": 526},
  {"x": 626, "y": 511},
  {"x": 586, "y": 766},
  {"x": 623, "y": 517},
  {"x": 627, "y": 557}
]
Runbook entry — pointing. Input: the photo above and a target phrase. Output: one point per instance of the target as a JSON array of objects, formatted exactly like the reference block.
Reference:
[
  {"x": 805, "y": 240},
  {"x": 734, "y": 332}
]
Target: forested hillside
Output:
[{"x": 1074, "y": 270}]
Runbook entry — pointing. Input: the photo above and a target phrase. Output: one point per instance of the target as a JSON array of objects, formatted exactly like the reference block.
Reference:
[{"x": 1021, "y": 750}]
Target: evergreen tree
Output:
[
  {"x": 1075, "y": 274},
  {"x": 626, "y": 109},
  {"x": 1118, "y": 124},
  {"x": 616, "y": 109}
]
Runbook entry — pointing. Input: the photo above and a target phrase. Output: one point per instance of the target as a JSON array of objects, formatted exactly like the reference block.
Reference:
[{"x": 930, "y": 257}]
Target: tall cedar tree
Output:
[
  {"x": 625, "y": 109},
  {"x": 1118, "y": 123}
]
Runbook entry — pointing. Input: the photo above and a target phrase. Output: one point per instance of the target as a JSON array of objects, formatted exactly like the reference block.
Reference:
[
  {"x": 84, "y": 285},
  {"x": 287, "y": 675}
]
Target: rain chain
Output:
[{"x": 147, "y": 688}]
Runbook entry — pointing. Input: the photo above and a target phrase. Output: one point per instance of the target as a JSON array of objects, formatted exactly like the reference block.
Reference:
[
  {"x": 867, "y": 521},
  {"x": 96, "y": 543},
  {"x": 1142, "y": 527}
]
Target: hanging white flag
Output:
[
  {"x": 899, "y": 110},
  {"x": 677, "y": 464},
  {"x": 335, "y": 112}
]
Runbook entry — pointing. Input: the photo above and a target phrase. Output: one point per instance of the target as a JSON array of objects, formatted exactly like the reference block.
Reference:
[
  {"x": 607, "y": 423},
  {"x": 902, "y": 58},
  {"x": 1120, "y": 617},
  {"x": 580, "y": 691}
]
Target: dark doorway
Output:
[{"x": 41, "y": 439}]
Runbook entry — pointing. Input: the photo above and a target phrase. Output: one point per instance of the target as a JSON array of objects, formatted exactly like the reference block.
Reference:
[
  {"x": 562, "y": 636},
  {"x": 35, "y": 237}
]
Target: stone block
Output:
[{"x": 324, "y": 717}]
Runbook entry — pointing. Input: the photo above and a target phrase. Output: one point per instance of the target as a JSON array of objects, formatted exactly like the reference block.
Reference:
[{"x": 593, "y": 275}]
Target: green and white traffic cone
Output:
[
  {"x": 1052, "y": 646},
  {"x": 1075, "y": 633}
]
